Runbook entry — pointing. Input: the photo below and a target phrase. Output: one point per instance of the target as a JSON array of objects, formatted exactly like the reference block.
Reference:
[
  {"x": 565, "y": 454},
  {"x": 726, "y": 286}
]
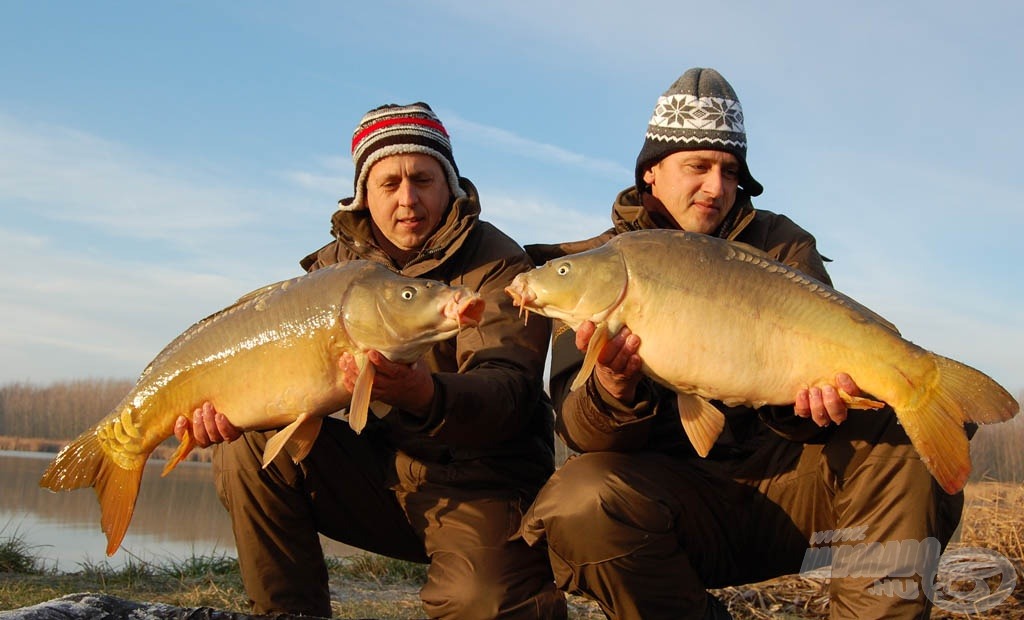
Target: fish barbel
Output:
[
  {"x": 720, "y": 321},
  {"x": 268, "y": 361}
]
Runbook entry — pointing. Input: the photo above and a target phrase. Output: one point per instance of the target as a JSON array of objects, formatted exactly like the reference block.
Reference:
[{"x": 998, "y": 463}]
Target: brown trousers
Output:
[
  {"x": 644, "y": 534},
  {"x": 357, "y": 492}
]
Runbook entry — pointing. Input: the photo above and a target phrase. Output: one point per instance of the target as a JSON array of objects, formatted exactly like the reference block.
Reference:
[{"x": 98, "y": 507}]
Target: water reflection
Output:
[{"x": 176, "y": 517}]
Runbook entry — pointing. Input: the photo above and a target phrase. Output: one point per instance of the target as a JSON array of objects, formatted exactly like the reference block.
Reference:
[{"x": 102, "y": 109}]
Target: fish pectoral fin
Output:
[
  {"x": 358, "y": 409},
  {"x": 859, "y": 402},
  {"x": 702, "y": 421},
  {"x": 184, "y": 448},
  {"x": 597, "y": 342}
]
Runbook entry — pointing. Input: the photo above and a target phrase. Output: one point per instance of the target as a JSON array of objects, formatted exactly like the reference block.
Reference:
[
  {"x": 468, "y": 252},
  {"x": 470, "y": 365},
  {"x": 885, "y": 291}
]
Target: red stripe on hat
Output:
[{"x": 426, "y": 122}]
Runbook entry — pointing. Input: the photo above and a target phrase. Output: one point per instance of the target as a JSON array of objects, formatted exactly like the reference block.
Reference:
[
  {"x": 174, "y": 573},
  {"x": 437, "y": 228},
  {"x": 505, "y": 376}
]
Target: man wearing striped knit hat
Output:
[{"x": 467, "y": 438}]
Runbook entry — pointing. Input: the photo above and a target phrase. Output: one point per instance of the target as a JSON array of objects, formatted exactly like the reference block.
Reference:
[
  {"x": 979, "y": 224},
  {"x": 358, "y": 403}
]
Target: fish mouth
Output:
[
  {"x": 465, "y": 308},
  {"x": 522, "y": 295}
]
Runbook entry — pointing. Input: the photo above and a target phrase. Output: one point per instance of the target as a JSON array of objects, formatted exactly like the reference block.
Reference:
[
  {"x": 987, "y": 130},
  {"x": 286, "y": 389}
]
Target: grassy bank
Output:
[{"x": 369, "y": 586}]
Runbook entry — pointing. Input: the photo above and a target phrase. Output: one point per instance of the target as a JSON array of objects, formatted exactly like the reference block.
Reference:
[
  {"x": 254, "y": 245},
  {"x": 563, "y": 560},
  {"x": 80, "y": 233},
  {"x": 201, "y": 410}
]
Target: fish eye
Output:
[
  {"x": 408, "y": 293},
  {"x": 562, "y": 269}
]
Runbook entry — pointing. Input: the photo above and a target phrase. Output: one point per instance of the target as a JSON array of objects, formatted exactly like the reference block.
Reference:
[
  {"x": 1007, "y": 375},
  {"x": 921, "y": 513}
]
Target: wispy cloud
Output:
[
  {"x": 73, "y": 176},
  {"x": 505, "y": 140}
]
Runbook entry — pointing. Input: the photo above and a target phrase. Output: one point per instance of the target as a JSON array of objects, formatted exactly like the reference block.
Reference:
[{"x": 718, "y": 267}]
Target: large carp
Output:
[
  {"x": 268, "y": 361},
  {"x": 719, "y": 320}
]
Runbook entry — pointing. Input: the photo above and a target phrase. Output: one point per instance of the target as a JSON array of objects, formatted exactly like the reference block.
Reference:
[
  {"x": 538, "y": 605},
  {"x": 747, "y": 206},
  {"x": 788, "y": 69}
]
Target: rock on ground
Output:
[{"x": 87, "y": 606}]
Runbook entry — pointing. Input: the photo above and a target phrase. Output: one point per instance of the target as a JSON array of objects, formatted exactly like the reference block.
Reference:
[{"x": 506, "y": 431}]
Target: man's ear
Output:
[{"x": 649, "y": 175}]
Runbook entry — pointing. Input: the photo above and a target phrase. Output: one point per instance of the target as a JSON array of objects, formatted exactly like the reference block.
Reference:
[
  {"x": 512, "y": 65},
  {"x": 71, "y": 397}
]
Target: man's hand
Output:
[
  {"x": 824, "y": 405},
  {"x": 207, "y": 427},
  {"x": 409, "y": 387},
  {"x": 618, "y": 365}
]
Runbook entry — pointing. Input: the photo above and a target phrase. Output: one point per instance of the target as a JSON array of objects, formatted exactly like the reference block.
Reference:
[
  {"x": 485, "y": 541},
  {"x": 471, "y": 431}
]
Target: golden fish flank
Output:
[
  {"x": 268, "y": 361},
  {"x": 721, "y": 321}
]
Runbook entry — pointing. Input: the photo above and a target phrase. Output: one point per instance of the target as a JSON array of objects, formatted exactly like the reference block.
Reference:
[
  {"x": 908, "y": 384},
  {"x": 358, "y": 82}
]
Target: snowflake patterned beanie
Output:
[
  {"x": 700, "y": 111},
  {"x": 393, "y": 130}
]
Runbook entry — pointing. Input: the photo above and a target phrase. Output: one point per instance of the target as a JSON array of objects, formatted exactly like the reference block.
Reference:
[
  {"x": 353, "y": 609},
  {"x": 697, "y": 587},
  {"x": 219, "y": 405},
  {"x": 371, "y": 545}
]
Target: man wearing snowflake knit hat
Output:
[
  {"x": 643, "y": 525},
  {"x": 467, "y": 438}
]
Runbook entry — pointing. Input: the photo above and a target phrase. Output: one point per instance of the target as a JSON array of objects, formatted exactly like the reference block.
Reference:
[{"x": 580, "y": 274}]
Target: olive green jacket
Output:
[
  {"x": 490, "y": 415},
  {"x": 590, "y": 419}
]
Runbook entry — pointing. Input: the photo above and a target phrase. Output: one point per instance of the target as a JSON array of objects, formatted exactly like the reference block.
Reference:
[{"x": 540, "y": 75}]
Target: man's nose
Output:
[
  {"x": 407, "y": 194},
  {"x": 713, "y": 182}
]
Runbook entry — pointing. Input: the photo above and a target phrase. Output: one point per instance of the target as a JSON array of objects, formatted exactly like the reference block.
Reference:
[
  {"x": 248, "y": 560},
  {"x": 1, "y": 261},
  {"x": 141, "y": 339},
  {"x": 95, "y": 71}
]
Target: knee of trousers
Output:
[
  {"x": 458, "y": 587},
  {"x": 238, "y": 465},
  {"x": 595, "y": 508}
]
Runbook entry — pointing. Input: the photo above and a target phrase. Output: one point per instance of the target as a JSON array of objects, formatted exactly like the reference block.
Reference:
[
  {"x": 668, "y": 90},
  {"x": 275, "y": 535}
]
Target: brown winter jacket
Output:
[
  {"x": 589, "y": 419},
  {"x": 490, "y": 414}
]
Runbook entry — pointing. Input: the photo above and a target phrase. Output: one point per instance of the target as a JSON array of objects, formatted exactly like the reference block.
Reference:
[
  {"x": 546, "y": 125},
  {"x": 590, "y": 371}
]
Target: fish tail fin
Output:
[
  {"x": 184, "y": 448},
  {"x": 702, "y": 421},
  {"x": 977, "y": 397},
  {"x": 84, "y": 463},
  {"x": 117, "y": 489},
  {"x": 935, "y": 421}
]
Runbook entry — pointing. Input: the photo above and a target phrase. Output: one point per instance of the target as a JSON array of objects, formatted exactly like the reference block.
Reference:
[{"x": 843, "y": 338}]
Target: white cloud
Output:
[
  {"x": 74, "y": 177},
  {"x": 505, "y": 140}
]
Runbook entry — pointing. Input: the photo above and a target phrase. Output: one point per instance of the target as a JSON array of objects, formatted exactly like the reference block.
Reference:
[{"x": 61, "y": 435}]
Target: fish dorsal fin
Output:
[
  {"x": 358, "y": 410},
  {"x": 702, "y": 421},
  {"x": 254, "y": 297},
  {"x": 597, "y": 342},
  {"x": 283, "y": 436},
  {"x": 749, "y": 254}
]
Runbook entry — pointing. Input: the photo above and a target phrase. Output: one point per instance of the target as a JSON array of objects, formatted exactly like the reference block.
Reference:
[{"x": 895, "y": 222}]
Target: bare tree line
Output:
[{"x": 63, "y": 410}]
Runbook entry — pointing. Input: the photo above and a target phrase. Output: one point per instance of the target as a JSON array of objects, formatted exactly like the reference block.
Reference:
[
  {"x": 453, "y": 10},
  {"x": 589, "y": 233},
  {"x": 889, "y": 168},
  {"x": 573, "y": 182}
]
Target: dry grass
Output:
[
  {"x": 993, "y": 519},
  {"x": 377, "y": 587}
]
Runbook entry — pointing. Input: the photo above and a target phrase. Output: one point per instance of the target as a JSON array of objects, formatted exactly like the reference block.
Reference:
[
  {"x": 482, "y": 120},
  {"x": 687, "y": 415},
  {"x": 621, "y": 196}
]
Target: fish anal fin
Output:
[
  {"x": 702, "y": 421},
  {"x": 358, "y": 409},
  {"x": 859, "y": 402},
  {"x": 597, "y": 342},
  {"x": 184, "y": 448}
]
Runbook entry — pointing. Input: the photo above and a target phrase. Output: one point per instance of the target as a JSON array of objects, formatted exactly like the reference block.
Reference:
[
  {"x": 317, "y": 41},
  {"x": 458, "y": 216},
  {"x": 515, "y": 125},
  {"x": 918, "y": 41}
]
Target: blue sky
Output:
[{"x": 158, "y": 160}]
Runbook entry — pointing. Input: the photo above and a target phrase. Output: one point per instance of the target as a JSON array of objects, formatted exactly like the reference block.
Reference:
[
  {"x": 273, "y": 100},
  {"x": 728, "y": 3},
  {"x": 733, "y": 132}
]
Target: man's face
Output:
[
  {"x": 407, "y": 196},
  {"x": 695, "y": 188}
]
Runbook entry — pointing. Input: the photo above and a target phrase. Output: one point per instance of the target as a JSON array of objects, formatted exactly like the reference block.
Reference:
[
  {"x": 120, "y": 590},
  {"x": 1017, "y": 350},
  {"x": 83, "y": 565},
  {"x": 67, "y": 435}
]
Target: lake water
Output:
[{"x": 175, "y": 518}]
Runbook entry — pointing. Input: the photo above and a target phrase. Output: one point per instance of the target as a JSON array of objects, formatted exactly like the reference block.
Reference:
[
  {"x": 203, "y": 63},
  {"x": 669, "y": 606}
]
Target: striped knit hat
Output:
[
  {"x": 395, "y": 129},
  {"x": 700, "y": 111}
]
